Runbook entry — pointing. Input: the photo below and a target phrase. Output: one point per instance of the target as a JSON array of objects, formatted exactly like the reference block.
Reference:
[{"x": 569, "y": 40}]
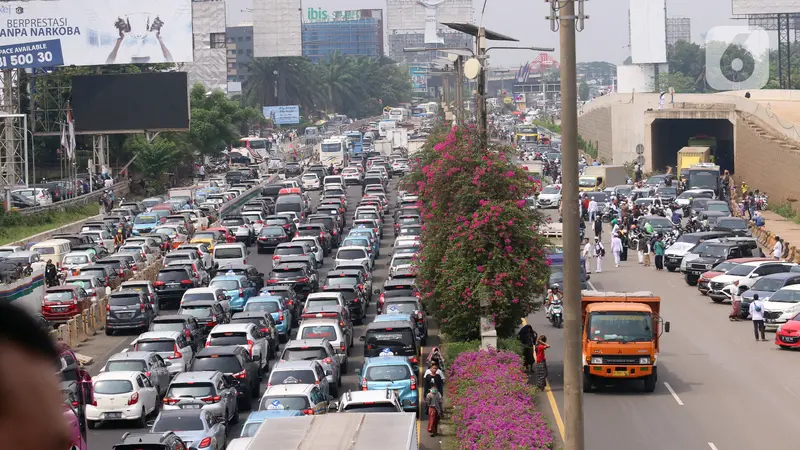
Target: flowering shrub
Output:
[
  {"x": 493, "y": 404},
  {"x": 480, "y": 241}
]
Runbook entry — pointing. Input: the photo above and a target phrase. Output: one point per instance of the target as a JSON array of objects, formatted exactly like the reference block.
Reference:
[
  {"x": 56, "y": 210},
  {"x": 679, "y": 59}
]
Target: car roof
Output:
[
  {"x": 129, "y": 375},
  {"x": 289, "y": 265},
  {"x": 122, "y": 356},
  {"x": 291, "y": 365},
  {"x": 288, "y": 388},
  {"x": 794, "y": 287},
  {"x": 203, "y": 375},
  {"x": 203, "y": 290},
  {"x": 388, "y": 324},
  {"x": 400, "y": 282},
  {"x": 300, "y": 343},
  {"x": 218, "y": 350},
  {"x": 319, "y": 322},
  {"x": 747, "y": 260},
  {"x": 386, "y": 361},
  {"x": 266, "y": 298},
  {"x": 760, "y": 263},
  {"x": 228, "y": 327},
  {"x": 156, "y": 335}
]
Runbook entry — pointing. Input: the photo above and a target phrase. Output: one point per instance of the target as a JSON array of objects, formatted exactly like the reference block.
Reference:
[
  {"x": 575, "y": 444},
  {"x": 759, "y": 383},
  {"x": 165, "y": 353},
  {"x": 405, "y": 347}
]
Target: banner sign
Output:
[
  {"x": 419, "y": 79},
  {"x": 283, "y": 115},
  {"x": 48, "y": 33},
  {"x": 322, "y": 15}
]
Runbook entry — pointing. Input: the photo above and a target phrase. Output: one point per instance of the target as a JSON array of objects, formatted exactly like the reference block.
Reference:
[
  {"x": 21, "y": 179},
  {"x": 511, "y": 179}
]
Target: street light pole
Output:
[
  {"x": 564, "y": 10},
  {"x": 481, "y": 96}
]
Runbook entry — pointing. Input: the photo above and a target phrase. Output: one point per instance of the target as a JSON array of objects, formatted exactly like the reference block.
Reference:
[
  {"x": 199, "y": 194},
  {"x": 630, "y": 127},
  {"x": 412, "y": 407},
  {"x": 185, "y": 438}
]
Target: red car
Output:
[
  {"x": 61, "y": 303},
  {"x": 788, "y": 334},
  {"x": 721, "y": 268},
  {"x": 229, "y": 238}
]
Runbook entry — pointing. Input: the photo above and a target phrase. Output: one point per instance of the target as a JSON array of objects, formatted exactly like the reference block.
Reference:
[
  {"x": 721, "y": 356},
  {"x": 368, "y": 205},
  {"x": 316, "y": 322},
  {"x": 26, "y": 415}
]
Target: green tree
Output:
[
  {"x": 295, "y": 78},
  {"x": 216, "y": 120},
  {"x": 583, "y": 91},
  {"x": 338, "y": 81},
  {"x": 154, "y": 158},
  {"x": 680, "y": 82}
]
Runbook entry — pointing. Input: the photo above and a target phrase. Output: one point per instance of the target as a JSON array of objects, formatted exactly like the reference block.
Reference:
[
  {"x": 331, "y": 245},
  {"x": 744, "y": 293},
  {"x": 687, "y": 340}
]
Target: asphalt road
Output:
[
  {"x": 107, "y": 435},
  {"x": 718, "y": 388}
]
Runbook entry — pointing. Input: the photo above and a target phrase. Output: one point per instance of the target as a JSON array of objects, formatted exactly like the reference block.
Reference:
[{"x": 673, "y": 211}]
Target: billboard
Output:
[
  {"x": 314, "y": 15},
  {"x": 283, "y": 115},
  {"x": 413, "y": 15},
  {"x": 130, "y": 103},
  {"x": 419, "y": 79},
  {"x": 648, "y": 25},
  {"x": 764, "y": 6},
  {"x": 94, "y": 32},
  {"x": 277, "y": 28}
]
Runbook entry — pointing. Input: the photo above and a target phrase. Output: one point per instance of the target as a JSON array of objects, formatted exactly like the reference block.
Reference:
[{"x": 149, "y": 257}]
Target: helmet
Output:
[{"x": 555, "y": 286}]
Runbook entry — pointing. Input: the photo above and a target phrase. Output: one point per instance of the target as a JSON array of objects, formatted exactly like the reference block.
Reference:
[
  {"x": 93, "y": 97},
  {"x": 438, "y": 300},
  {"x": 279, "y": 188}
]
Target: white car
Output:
[
  {"x": 203, "y": 252},
  {"x": 118, "y": 396},
  {"x": 400, "y": 261},
  {"x": 742, "y": 277},
  {"x": 782, "y": 305},
  {"x": 685, "y": 198},
  {"x": 75, "y": 261},
  {"x": 352, "y": 176},
  {"x": 256, "y": 220},
  {"x": 170, "y": 345},
  {"x": 550, "y": 197},
  {"x": 353, "y": 254},
  {"x": 245, "y": 335},
  {"x": 310, "y": 182},
  {"x": 316, "y": 248},
  {"x": 333, "y": 180},
  {"x": 199, "y": 219},
  {"x": 400, "y": 166},
  {"x": 143, "y": 250},
  {"x": 381, "y": 400},
  {"x": 290, "y": 249}
]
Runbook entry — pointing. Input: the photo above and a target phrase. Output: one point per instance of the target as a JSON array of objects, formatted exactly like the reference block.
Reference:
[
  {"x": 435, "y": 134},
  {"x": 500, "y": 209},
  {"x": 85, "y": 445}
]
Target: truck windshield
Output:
[
  {"x": 703, "y": 180},
  {"x": 587, "y": 182},
  {"x": 620, "y": 327}
]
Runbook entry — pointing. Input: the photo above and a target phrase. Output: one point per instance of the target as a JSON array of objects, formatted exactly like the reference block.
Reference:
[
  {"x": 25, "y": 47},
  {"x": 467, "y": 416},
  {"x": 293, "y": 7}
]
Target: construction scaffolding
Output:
[
  {"x": 13, "y": 133},
  {"x": 679, "y": 29},
  {"x": 784, "y": 24}
]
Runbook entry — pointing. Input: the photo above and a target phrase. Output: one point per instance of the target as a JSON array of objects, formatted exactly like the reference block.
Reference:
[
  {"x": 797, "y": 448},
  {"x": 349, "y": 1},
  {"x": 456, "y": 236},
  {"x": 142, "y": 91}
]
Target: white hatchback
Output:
[
  {"x": 118, "y": 396},
  {"x": 316, "y": 248},
  {"x": 310, "y": 181},
  {"x": 353, "y": 254},
  {"x": 245, "y": 335}
]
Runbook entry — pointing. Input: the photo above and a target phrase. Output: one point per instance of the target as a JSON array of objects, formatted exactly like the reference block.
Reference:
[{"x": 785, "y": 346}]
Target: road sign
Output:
[
  {"x": 640, "y": 160},
  {"x": 640, "y": 149}
]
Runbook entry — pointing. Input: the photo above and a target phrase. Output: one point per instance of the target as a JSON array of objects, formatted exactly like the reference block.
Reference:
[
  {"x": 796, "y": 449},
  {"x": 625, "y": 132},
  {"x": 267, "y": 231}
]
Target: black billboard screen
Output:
[{"x": 130, "y": 102}]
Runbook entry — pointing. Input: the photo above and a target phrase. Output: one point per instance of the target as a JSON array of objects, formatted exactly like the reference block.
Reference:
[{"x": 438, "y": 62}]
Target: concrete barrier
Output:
[{"x": 119, "y": 189}]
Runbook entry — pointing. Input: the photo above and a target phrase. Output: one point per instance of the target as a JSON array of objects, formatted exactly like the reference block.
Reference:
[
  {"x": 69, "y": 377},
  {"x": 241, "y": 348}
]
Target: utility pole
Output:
[
  {"x": 459, "y": 97},
  {"x": 563, "y": 18},
  {"x": 481, "y": 97}
]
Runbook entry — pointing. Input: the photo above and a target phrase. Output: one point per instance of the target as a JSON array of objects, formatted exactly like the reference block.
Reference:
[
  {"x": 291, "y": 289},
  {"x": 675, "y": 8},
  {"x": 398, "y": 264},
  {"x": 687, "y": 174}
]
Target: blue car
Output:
[
  {"x": 237, "y": 287},
  {"x": 281, "y": 313},
  {"x": 373, "y": 238},
  {"x": 394, "y": 373},
  {"x": 256, "y": 418},
  {"x": 764, "y": 287},
  {"x": 145, "y": 222}
]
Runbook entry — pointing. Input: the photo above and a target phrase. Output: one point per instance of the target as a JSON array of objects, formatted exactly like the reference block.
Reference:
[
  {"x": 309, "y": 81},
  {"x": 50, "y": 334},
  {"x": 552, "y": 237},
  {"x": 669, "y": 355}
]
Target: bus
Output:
[
  {"x": 357, "y": 140},
  {"x": 530, "y": 132},
  {"x": 257, "y": 147},
  {"x": 399, "y": 114},
  {"x": 333, "y": 151}
]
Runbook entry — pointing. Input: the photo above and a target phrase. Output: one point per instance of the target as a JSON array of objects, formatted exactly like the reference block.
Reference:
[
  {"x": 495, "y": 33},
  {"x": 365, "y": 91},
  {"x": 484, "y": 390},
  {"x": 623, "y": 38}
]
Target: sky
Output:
[{"x": 605, "y": 37}]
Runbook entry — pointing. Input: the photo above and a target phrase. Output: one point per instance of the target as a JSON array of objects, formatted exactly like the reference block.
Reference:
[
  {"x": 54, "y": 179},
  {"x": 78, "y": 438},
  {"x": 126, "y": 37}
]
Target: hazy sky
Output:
[{"x": 605, "y": 37}]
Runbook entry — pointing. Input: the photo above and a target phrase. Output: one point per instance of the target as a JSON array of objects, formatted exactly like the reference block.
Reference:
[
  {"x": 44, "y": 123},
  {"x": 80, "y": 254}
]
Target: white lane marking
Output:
[
  {"x": 124, "y": 350},
  {"x": 674, "y": 395},
  {"x": 713, "y": 447}
]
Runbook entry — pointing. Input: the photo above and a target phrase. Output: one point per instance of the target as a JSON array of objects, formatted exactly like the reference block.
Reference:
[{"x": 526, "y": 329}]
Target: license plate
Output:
[
  {"x": 620, "y": 373},
  {"x": 113, "y": 415},
  {"x": 59, "y": 308},
  {"x": 190, "y": 406},
  {"x": 770, "y": 320},
  {"x": 173, "y": 284}
]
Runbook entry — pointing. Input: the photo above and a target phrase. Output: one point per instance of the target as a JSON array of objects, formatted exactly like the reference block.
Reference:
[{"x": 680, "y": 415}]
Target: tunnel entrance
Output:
[{"x": 671, "y": 135}]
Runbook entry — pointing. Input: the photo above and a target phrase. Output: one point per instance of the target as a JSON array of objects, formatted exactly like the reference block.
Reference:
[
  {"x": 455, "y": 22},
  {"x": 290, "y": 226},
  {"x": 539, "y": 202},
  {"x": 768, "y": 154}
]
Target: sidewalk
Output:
[{"x": 787, "y": 230}]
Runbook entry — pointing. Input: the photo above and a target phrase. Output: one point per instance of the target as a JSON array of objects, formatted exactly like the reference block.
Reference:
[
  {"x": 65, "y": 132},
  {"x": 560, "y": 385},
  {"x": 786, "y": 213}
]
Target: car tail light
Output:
[
  {"x": 250, "y": 344},
  {"x": 186, "y": 281},
  {"x": 343, "y": 347},
  {"x": 205, "y": 443},
  {"x": 76, "y": 404},
  {"x": 108, "y": 308},
  {"x": 272, "y": 280},
  {"x": 158, "y": 283},
  {"x": 413, "y": 383},
  {"x": 361, "y": 287},
  {"x": 187, "y": 333},
  {"x": 107, "y": 281},
  {"x": 308, "y": 412},
  {"x": 382, "y": 299},
  {"x": 276, "y": 257},
  {"x": 262, "y": 238},
  {"x": 280, "y": 317},
  {"x": 171, "y": 401},
  {"x": 211, "y": 323},
  {"x": 302, "y": 280},
  {"x": 419, "y": 316},
  {"x": 327, "y": 360},
  {"x": 133, "y": 266},
  {"x": 286, "y": 226},
  {"x": 176, "y": 354},
  {"x": 121, "y": 272},
  {"x": 147, "y": 374},
  {"x": 241, "y": 375},
  {"x": 413, "y": 360},
  {"x": 334, "y": 232},
  {"x": 241, "y": 292},
  {"x": 264, "y": 330},
  {"x": 134, "y": 399},
  {"x": 141, "y": 307},
  {"x": 214, "y": 399},
  {"x": 364, "y": 384}
]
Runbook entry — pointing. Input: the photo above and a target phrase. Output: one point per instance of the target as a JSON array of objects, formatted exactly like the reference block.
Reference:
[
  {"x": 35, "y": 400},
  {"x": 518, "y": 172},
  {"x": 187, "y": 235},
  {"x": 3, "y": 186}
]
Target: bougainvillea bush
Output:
[
  {"x": 493, "y": 404},
  {"x": 481, "y": 252}
]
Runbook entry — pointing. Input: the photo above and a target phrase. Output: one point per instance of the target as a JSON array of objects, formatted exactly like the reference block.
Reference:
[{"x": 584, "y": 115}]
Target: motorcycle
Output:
[{"x": 556, "y": 314}]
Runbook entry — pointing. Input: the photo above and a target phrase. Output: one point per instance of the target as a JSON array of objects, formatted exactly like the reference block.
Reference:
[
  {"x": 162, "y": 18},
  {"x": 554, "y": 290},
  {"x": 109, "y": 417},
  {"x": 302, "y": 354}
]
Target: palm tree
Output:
[
  {"x": 295, "y": 76},
  {"x": 338, "y": 82}
]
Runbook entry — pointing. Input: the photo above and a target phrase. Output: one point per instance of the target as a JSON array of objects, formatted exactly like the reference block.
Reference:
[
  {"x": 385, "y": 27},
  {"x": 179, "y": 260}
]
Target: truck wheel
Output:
[
  {"x": 587, "y": 383},
  {"x": 650, "y": 383},
  {"x": 670, "y": 269},
  {"x": 691, "y": 281}
]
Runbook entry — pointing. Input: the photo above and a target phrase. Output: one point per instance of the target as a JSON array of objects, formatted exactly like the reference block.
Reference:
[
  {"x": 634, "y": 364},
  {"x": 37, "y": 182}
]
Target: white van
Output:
[
  {"x": 53, "y": 249},
  {"x": 227, "y": 255}
]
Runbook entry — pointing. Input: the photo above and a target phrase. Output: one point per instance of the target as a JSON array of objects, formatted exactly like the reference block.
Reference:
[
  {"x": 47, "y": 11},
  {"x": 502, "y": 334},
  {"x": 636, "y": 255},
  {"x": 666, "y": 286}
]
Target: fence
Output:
[{"x": 119, "y": 189}]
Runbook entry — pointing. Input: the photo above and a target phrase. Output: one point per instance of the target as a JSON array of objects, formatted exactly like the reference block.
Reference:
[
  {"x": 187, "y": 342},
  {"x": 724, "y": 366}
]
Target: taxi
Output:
[
  {"x": 237, "y": 287},
  {"x": 211, "y": 238},
  {"x": 278, "y": 309},
  {"x": 394, "y": 373},
  {"x": 306, "y": 398}
]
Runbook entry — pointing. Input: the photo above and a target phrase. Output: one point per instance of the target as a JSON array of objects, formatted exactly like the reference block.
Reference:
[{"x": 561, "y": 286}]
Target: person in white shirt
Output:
[
  {"x": 616, "y": 248},
  {"x": 757, "y": 315},
  {"x": 587, "y": 254},
  {"x": 592, "y": 209},
  {"x": 599, "y": 252},
  {"x": 777, "y": 250}
]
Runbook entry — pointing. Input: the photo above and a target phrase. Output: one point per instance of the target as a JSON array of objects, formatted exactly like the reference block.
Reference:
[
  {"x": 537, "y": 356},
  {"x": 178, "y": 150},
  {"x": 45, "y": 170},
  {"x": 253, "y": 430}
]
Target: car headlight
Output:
[
  {"x": 597, "y": 360},
  {"x": 780, "y": 328},
  {"x": 644, "y": 360}
]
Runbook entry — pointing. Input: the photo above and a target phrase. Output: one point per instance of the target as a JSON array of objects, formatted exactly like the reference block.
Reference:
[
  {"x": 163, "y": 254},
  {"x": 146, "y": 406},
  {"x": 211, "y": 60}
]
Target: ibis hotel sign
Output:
[{"x": 323, "y": 15}]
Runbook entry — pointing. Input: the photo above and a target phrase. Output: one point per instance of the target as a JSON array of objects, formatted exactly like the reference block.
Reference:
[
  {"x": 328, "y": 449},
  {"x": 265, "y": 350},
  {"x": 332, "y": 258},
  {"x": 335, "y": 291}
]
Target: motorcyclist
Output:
[
  {"x": 330, "y": 169},
  {"x": 554, "y": 295},
  {"x": 676, "y": 217},
  {"x": 51, "y": 273},
  {"x": 119, "y": 238}
]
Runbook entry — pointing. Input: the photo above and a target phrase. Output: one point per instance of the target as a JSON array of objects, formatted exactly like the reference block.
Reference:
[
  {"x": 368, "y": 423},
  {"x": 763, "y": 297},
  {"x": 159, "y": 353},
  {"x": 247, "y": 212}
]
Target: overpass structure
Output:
[{"x": 758, "y": 139}]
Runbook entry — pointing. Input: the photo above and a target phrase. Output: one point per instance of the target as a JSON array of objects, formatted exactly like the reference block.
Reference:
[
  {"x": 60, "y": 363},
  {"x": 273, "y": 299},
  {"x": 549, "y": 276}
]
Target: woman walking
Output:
[
  {"x": 527, "y": 337},
  {"x": 598, "y": 227},
  {"x": 658, "y": 249},
  {"x": 435, "y": 409},
  {"x": 541, "y": 362}
]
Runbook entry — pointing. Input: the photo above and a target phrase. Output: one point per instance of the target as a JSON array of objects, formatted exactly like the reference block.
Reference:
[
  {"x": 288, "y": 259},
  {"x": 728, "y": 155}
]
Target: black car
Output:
[
  {"x": 167, "y": 440},
  {"x": 171, "y": 283},
  {"x": 128, "y": 310},
  {"x": 319, "y": 230},
  {"x": 714, "y": 254},
  {"x": 349, "y": 277},
  {"x": 282, "y": 221},
  {"x": 270, "y": 237},
  {"x": 735, "y": 225},
  {"x": 271, "y": 191},
  {"x": 209, "y": 313},
  {"x": 265, "y": 324},
  {"x": 331, "y": 224},
  {"x": 252, "y": 274},
  {"x": 182, "y": 323},
  {"x": 293, "y": 168},
  {"x": 235, "y": 363},
  {"x": 356, "y": 303},
  {"x": 234, "y": 176},
  {"x": 289, "y": 296},
  {"x": 295, "y": 274}
]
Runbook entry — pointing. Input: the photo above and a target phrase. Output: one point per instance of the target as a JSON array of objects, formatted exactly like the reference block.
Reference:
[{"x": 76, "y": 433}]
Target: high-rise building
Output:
[
  {"x": 240, "y": 52},
  {"x": 355, "y": 32},
  {"x": 208, "y": 29},
  {"x": 679, "y": 29},
  {"x": 418, "y": 23},
  {"x": 277, "y": 28}
]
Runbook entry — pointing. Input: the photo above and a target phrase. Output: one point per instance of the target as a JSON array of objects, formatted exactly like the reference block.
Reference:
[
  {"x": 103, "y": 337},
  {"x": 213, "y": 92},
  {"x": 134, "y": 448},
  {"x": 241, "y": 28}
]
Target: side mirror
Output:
[
  {"x": 362, "y": 338},
  {"x": 328, "y": 372},
  {"x": 358, "y": 372},
  {"x": 666, "y": 327}
]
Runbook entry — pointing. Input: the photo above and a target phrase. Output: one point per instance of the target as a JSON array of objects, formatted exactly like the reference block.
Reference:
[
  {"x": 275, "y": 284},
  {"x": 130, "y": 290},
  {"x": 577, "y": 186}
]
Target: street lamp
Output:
[
  {"x": 456, "y": 55},
  {"x": 275, "y": 83}
]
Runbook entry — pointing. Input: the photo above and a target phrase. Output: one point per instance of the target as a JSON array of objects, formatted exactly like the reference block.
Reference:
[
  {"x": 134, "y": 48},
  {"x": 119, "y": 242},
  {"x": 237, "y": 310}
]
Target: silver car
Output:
[
  {"x": 206, "y": 390},
  {"x": 316, "y": 350},
  {"x": 197, "y": 428},
  {"x": 149, "y": 363}
]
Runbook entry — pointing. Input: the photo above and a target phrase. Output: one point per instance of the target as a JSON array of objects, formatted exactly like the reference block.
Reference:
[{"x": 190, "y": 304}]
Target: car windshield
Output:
[
  {"x": 304, "y": 354},
  {"x": 370, "y": 407},
  {"x": 715, "y": 251},
  {"x": 732, "y": 224},
  {"x": 614, "y": 326},
  {"x": 123, "y": 300},
  {"x": 228, "y": 338},
  {"x": 252, "y": 217},
  {"x": 167, "y": 326},
  {"x": 160, "y": 346},
  {"x": 225, "y": 285},
  {"x": 785, "y": 296},
  {"x": 272, "y": 231},
  {"x": 293, "y": 250},
  {"x": 402, "y": 261},
  {"x": 132, "y": 365},
  {"x": 267, "y": 307},
  {"x": 76, "y": 259},
  {"x": 205, "y": 236},
  {"x": 341, "y": 281},
  {"x": 741, "y": 270},
  {"x": 232, "y": 222},
  {"x": 142, "y": 219},
  {"x": 318, "y": 332},
  {"x": 228, "y": 253},
  {"x": 189, "y": 422},
  {"x": 296, "y": 376},
  {"x": 64, "y": 296},
  {"x": 221, "y": 363},
  {"x": 600, "y": 197},
  {"x": 400, "y": 308},
  {"x": 190, "y": 390},
  {"x": 768, "y": 284},
  {"x": 717, "y": 207},
  {"x": 283, "y": 403},
  {"x": 199, "y": 311},
  {"x": 388, "y": 373},
  {"x": 659, "y": 222},
  {"x": 349, "y": 242},
  {"x": 551, "y": 190},
  {"x": 286, "y": 273},
  {"x": 689, "y": 238},
  {"x": 725, "y": 266},
  {"x": 112, "y": 387},
  {"x": 701, "y": 247},
  {"x": 378, "y": 338},
  {"x": 351, "y": 254}
]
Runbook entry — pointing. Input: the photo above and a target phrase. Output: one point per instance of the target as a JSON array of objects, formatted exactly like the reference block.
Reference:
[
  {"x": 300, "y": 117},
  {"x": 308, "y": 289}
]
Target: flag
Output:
[
  {"x": 64, "y": 143},
  {"x": 71, "y": 126}
]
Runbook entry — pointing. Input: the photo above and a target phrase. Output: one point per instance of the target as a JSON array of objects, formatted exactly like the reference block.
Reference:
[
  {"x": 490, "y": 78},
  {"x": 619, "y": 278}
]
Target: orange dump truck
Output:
[{"x": 621, "y": 337}]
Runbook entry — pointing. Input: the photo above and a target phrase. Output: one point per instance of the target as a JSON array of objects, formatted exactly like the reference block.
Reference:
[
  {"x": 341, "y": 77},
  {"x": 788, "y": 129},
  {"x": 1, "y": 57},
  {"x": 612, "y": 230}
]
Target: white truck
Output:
[
  {"x": 345, "y": 431},
  {"x": 385, "y": 125},
  {"x": 415, "y": 145},
  {"x": 384, "y": 147},
  {"x": 398, "y": 137}
]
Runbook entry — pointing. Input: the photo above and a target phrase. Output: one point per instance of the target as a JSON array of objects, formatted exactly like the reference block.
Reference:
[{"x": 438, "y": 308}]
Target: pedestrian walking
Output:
[
  {"x": 658, "y": 249},
  {"x": 527, "y": 337},
  {"x": 201, "y": 172},
  {"x": 592, "y": 208},
  {"x": 433, "y": 379},
  {"x": 435, "y": 410},
  {"x": 598, "y": 227},
  {"x": 616, "y": 248},
  {"x": 599, "y": 253},
  {"x": 661, "y": 100},
  {"x": 646, "y": 250},
  {"x": 541, "y": 362},
  {"x": 757, "y": 315},
  {"x": 587, "y": 254},
  {"x": 777, "y": 249}
]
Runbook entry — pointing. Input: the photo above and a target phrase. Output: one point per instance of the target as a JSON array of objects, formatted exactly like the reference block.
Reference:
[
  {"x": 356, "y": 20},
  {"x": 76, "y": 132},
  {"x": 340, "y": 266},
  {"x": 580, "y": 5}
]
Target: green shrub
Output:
[{"x": 15, "y": 227}]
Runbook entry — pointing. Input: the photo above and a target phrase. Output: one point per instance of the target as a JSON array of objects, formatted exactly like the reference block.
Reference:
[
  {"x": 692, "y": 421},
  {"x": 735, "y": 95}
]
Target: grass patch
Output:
[
  {"x": 785, "y": 210},
  {"x": 15, "y": 227},
  {"x": 549, "y": 125}
]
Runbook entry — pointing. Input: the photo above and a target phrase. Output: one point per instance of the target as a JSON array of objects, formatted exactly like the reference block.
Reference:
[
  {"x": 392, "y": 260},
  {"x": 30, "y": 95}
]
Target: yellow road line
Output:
[
  {"x": 552, "y": 399},
  {"x": 419, "y": 397}
]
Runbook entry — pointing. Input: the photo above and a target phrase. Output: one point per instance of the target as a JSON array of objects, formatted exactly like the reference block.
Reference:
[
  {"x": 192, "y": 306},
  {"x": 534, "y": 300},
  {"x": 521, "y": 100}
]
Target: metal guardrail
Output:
[{"x": 120, "y": 188}]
